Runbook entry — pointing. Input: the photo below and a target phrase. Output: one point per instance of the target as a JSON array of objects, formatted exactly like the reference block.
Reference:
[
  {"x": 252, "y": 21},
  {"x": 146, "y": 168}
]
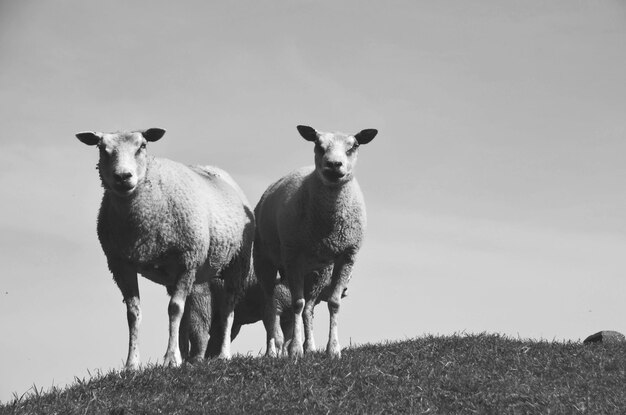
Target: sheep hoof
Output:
[
  {"x": 296, "y": 350},
  {"x": 284, "y": 351},
  {"x": 195, "y": 360},
  {"x": 309, "y": 347},
  {"x": 333, "y": 351},
  {"x": 271, "y": 348},
  {"x": 132, "y": 365},
  {"x": 172, "y": 360}
]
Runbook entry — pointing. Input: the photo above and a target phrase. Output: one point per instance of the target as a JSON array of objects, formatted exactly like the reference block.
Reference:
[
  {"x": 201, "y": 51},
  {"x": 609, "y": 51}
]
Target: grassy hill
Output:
[{"x": 456, "y": 374}]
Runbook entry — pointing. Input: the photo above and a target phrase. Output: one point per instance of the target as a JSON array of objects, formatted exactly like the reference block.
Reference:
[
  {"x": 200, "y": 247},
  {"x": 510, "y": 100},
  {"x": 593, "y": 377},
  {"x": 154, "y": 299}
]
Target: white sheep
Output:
[
  {"x": 310, "y": 226},
  {"x": 179, "y": 226}
]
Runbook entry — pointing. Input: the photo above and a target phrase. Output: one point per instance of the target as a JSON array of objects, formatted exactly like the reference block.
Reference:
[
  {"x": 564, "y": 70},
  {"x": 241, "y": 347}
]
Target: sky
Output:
[{"x": 494, "y": 189}]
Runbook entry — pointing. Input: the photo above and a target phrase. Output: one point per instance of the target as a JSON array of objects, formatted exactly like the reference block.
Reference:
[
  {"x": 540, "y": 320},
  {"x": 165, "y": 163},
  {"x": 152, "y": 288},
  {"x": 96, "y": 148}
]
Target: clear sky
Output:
[{"x": 495, "y": 188}]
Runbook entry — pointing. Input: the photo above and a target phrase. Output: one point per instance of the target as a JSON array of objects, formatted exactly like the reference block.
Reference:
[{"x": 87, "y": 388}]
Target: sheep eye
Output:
[
  {"x": 353, "y": 148},
  {"x": 141, "y": 148}
]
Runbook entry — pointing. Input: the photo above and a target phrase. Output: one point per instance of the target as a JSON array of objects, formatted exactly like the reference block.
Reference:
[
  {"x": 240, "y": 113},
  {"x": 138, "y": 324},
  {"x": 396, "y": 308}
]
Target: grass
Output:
[{"x": 487, "y": 374}]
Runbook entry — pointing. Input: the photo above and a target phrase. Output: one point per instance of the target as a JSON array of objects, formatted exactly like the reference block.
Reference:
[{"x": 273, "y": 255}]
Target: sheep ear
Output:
[
  {"x": 89, "y": 137},
  {"x": 365, "y": 136},
  {"x": 308, "y": 133},
  {"x": 153, "y": 134}
]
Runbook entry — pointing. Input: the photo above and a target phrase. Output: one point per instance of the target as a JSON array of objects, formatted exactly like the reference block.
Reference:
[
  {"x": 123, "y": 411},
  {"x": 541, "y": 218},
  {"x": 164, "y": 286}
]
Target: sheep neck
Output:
[
  {"x": 334, "y": 216},
  {"x": 125, "y": 206},
  {"x": 325, "y": 198}
]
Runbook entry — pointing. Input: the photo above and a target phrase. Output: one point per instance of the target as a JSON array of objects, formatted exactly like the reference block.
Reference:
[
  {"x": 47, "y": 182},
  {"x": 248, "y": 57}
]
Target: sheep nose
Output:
[
  {"x": 122, "y": 177},
  {"x": 334, "y": 164}
]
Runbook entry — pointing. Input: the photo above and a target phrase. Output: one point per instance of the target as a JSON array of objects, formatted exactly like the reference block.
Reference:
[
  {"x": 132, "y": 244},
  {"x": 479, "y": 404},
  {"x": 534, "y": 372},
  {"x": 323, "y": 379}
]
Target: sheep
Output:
[
  {"x": 309, "y": 228},
  {"x": 203, "y": 309},
  {"x": 250, "y": 309},
  {"x": 179, "y": 226}
]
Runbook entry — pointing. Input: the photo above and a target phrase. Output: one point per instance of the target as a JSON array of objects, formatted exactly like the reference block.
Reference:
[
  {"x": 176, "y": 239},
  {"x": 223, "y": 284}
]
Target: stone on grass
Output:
[{"x": 605, "y": 336}]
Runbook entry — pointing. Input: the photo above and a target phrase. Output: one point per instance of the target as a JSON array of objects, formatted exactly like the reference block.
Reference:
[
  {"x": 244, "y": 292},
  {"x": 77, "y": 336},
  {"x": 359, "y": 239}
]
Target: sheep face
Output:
[
  {"x": 123, "y": 157},
  {"x": 336, "y": 153}
]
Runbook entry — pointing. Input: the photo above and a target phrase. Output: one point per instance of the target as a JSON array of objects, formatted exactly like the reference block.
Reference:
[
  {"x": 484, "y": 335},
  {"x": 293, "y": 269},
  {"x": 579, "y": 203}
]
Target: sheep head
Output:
[
  {"x": 123, "y": 157},
  {"x": 336, "y": 153}
]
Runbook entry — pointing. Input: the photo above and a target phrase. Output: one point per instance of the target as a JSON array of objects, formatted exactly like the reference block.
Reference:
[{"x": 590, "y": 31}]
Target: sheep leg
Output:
[
  {"x": 197, "y": 322},
  {"x": 175, "y": 310},
  {"x": 126, "y": 279},
  {"x": 286, "y": 326},
  {"x": 296, "y": 285},
  {"x": 341, "y": 275},
  {"x": 271, "y": 321},
  {"x": 215, "y": 338},
  {"x": 266, "y": 274},
  {"x": 270, "y": 349},
  {"x": 133, "y": 315},
  {"x": 307, "y": 316},
  {"x": 216, "y": 328},
  {"x": 228, "y": 317},
  {"x": 296, "y": 348},
  {"x": 184, "y": 333},
  {"x": 279, "y": 339}
]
